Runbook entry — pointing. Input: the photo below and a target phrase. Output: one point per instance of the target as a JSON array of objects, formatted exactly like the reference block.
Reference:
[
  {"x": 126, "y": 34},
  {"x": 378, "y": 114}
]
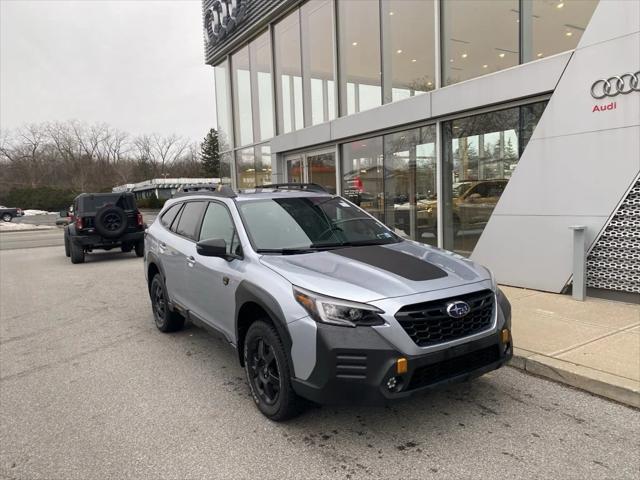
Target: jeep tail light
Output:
[
  {"x": 79, "y": 224},
  {"x": 140, "y": 220}
]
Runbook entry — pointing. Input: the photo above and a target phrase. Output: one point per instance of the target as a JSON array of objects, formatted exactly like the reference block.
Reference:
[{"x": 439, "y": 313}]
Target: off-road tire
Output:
[
  {"x": 287, "y": 403},
  {"x": 165, "y": 319},
  {"x": 67, "y": 248},
  {"x": 140, "y": 248},
  {"x": 77, "y": 252},
  {"x": 111, "y": 221},
  {"x": 126, "y": 247}
]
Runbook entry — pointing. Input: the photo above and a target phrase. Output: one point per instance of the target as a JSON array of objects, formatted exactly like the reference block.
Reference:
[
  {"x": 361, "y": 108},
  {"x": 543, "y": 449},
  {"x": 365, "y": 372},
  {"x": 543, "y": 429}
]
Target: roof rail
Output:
[
  {"x": 307, "y": 187},
  {"x": 206, "y": 189}
]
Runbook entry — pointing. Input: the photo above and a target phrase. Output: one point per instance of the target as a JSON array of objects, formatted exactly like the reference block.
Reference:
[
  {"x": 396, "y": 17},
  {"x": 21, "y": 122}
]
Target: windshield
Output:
[{"x": 309, "y": 223}]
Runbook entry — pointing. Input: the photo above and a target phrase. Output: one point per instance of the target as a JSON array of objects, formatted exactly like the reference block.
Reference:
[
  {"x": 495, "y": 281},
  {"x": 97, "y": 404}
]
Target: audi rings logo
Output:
[{"x": 613, "y": 86}]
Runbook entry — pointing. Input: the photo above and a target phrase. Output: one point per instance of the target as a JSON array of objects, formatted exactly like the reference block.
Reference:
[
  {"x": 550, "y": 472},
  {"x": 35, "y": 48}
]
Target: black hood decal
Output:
[{"x": 393, "y": 261}]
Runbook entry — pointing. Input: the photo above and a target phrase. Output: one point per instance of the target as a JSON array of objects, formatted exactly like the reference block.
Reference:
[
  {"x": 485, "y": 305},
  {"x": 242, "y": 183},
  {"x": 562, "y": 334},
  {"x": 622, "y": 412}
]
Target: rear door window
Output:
[
  {"x": 189, "y": 222},
  {"x": 169, "y": 216}
]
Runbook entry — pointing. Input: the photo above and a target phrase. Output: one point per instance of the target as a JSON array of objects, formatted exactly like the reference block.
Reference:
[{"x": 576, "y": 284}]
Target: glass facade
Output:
[
  {"x": 359, "y": 31},
  {"x": 223, "y": 105},
  {"x": 410, "y": 52},
  {"x": 478, "y": 37},
  {"x": 245, "y": 168},
  {"x": 479, "y": 155},
  {"x": 411, "y": 183},
  {"x": 318, "y": 59},
  {"x": 242, "y": 110},
  {"x": 260, "y": 59},
  {"x": 363, "y": 175},
  {"x": 553, "y": 27},
  {"x": 288, "y": 62}
]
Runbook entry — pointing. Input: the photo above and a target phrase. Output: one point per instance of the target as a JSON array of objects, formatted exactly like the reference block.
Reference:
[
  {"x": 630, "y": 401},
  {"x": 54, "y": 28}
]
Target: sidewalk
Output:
[{"x": 592, "y": 345}]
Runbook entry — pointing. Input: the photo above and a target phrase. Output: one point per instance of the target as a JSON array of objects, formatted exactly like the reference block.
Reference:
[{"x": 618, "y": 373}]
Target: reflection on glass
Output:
[
  {"x": 245, "y": 168},
  {"x": 322, "y": 170},
  {"x": 260, "y": 53},
  {"x": 317, "y": 42},
  {"x": 410, "y": 49},
  {"x": 363, "y": 175},
  {"x": 360, "y": 54},
  {"x": 242, "y": 97},
  {"x": 410, "y": 183},
  {"x": 554, "y": 26},
  {"x": 263, "y": 165},
  {"x": 478, "y": 37},
  {"x": 295, "y": 172},
  {"x": 223, "y": 105},
  {"x": 225, "y": 168},
  {"x": 289, "y": 73},
  {"x": 480, "y": 154}
]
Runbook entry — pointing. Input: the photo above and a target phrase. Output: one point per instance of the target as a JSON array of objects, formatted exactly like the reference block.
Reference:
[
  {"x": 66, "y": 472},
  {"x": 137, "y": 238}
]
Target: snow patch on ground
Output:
[
  {"x": 15, "y": 227},
  {"x": 38, "y": 212}
]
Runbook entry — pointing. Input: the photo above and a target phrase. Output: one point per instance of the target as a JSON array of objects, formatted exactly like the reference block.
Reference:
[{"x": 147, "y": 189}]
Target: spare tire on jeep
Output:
[{"x": 110, "y": 221}]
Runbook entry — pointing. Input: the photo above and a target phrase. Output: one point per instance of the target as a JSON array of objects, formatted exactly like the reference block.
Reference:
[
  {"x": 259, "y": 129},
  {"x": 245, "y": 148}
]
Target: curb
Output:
[{"x": 603, "y": 384}]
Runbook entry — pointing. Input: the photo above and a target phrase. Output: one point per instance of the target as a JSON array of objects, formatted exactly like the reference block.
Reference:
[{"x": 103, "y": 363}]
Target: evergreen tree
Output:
[{"x": 210, "y": 154}]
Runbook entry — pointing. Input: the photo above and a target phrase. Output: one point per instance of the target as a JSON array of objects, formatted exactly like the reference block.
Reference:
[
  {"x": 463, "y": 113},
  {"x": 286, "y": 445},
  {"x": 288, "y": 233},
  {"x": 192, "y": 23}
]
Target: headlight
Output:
[{"x": 337, "y": 312}]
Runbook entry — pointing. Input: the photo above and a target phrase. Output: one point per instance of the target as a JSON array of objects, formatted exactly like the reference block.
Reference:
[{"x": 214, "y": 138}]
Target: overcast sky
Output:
[{"x": 135, "y": 64}]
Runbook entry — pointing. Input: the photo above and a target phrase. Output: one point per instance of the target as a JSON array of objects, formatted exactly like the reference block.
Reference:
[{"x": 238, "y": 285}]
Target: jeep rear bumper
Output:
[
  {"x": 355, "y": 365},
  {"x": 98, "y": 241}
]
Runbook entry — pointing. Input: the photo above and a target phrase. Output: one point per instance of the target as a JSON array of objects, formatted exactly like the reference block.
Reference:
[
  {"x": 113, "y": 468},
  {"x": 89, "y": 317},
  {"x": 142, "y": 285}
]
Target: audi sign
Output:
[{"x": 616, "y": 85}]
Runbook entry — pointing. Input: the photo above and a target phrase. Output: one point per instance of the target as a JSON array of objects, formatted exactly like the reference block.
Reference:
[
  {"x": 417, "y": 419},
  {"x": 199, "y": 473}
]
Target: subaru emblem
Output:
[{"x": 458, "y": 309}]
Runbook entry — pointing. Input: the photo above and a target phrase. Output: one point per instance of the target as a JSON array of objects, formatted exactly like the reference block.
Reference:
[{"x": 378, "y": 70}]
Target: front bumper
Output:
[
  {"x": 98, "y": 241},
  {"x": 353, "y": 365}
]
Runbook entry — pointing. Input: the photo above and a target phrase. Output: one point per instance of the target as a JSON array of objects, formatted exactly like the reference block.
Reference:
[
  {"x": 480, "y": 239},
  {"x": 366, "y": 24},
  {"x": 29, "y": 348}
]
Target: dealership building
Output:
[{"x": 491, "y": 128}]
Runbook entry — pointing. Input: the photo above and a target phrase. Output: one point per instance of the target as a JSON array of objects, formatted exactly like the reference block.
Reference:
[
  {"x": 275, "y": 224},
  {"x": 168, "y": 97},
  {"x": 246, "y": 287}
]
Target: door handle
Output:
[{"x": 191, "y": 261}]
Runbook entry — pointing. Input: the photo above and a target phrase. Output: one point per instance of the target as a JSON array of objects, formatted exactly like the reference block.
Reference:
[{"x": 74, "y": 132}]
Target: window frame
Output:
[
  {"x": 233, "y": 222},
  {"x": 198, "y": 223}
]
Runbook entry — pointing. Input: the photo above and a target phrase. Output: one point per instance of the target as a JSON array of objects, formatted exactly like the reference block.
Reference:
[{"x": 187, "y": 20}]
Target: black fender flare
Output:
[
  {"x": 249, "y": 292},
  {"x": 152, "y": 258}
]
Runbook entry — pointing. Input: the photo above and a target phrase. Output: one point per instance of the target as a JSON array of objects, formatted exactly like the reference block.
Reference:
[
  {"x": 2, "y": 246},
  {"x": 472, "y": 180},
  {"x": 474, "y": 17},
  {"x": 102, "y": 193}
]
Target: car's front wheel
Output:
[
  {"x": 269, "y": 373},
  {"x": 166, "y": 320}
]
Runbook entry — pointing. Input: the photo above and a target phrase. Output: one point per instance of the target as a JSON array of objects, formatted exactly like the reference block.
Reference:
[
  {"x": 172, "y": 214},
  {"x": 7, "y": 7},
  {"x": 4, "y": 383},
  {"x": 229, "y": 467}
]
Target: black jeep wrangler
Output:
[{"x": 103, "y": 221}]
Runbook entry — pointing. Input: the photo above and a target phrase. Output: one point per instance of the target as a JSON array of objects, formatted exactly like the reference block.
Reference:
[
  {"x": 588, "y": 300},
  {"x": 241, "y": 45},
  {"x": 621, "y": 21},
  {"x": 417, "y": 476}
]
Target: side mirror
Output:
[
  {"x": 63, "y": 213},
  {"x": 214, "y": 247}
]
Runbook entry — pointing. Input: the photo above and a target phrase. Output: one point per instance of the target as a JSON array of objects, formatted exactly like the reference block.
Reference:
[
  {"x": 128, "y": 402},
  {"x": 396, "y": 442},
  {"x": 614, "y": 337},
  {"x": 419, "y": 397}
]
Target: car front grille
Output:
[
  {"x": 430, "y": 374},
  {"x": 429, "y": 324}
]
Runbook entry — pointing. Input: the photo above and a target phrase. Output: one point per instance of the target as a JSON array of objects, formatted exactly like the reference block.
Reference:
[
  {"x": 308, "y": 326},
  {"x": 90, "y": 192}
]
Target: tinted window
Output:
[
  {"x": 92, "y": 203},
  {"x": 217, "y": 223},
  {"x": 190, "y": 219},
  {"x": 168, "y": 216}
]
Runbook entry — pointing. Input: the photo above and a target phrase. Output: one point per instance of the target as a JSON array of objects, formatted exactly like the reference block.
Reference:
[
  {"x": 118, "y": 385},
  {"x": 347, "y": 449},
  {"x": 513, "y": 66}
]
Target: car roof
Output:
[{"x": 248, "y": 195}]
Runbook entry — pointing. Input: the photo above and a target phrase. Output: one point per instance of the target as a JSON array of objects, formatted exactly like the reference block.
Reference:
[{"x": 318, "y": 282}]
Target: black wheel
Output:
[
  {"x": 110, "y": 221},
  {"x": 67, "y": 248},
  {"x": 126, "y": 247},
  {"x": 269, "y": 373},
  {"x": 6, "y": 217},
  {"x": 166, "y": 320},
  {"x": 77, "y": 252},
  {"x": 140, "y": 248}
]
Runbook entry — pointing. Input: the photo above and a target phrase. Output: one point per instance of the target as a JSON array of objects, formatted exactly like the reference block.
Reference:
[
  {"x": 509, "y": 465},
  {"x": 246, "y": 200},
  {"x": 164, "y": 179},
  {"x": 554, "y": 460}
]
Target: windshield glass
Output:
[{"x": 310, "y": 223}]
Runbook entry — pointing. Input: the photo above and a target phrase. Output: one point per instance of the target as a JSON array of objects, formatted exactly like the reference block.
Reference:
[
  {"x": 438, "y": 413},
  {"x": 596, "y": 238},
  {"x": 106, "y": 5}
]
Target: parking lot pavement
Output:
[{"x": 90, "y": 389}]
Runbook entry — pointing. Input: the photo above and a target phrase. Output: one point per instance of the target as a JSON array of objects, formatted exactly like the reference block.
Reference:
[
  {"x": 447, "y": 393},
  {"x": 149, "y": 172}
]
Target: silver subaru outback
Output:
[{"x": 322, "y": 301}]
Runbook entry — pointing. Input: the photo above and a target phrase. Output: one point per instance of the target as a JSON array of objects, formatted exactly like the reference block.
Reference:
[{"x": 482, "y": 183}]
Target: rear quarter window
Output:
[
  {"x": 189, "y": 222},
  {"x": 169, "y": 216}
]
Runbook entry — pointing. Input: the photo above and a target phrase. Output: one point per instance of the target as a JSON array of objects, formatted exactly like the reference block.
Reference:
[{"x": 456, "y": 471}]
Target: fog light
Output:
[
  {"x": 505, "y": 335},
  {"x": 392, "y": 383}
]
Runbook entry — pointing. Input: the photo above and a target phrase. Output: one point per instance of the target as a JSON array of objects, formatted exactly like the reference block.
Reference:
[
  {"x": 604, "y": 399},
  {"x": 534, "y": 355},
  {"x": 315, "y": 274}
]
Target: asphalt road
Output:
[
  {"x": 31, "y": 239},
  {"x": 90, "y": 389}
]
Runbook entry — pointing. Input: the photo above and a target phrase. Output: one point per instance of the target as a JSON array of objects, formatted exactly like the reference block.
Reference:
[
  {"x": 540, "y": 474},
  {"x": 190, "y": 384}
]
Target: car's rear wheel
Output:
[
  {"x": 77, "y": 252},
  {"x": 6, "y": 217},
  {"x": 166, "y": 320},
  {"x": 126, "y": 247},
  {"x": 140, "y": 248},
  {"x": 269, "y": 373}
]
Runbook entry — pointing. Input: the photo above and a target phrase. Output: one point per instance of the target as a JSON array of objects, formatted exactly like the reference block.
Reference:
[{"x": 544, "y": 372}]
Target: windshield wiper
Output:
[
  {"x": 357, "y": 243},
  {"x": 286, "y": 251}
]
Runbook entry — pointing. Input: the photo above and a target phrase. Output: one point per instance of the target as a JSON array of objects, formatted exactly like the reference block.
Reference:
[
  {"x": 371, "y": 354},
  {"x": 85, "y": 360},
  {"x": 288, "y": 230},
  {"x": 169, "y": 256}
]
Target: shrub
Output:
[
  {"x": 152, "y": 203},
  {"x": 41, "y": 198}
]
